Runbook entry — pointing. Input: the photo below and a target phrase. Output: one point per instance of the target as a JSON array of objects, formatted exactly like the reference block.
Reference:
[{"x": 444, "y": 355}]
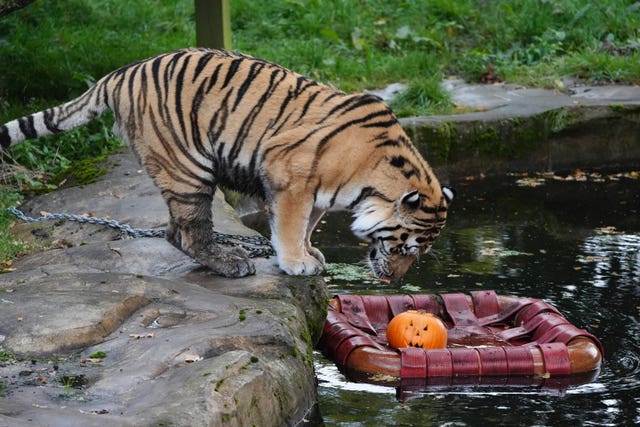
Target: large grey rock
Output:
[
  {"x": 183, "y": 346},
  {"x": 518, "y": 129}
]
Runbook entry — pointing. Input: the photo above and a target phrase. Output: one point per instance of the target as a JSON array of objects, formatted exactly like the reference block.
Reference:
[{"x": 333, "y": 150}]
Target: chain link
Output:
[{"x": 256, "y": 246}]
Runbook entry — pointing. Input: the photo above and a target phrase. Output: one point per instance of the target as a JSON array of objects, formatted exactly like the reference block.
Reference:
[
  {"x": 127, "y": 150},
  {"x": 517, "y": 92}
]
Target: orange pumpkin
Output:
[{"x": 417, "y": 328}]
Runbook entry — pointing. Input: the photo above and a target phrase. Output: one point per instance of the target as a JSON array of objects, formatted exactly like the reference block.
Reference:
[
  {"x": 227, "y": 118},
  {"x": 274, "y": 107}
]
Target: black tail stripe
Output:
[
  {"x": 50, "y": 122},
  {"x": 27, "y": 128},
  {"x": 5, "y": 139}
]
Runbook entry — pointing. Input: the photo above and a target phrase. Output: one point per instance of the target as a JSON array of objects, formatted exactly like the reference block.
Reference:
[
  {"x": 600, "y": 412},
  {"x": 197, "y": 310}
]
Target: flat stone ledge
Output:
[
  {"x": 517, "y": 130},
  {"x": 183, "y": 346}
]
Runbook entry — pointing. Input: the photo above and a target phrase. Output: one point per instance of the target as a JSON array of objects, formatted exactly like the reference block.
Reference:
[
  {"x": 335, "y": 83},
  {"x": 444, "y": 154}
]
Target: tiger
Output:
[{"x": 199, "y": 119}]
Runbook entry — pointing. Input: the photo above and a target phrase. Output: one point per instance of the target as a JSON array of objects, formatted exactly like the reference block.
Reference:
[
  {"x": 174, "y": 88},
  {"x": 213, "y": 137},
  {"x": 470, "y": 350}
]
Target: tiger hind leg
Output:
[{"x": 191, "y": 230}]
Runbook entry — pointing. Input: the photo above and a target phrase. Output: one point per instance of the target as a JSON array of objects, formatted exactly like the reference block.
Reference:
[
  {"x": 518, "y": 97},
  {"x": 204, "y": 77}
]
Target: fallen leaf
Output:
[
  {"x": 139, "y": 336},
  {"x": 488, "y": 251},
  {"x": 190, "y": 358},
  {"x": 530, "y": 182},
  {"x": 607, "y": 230},
  {"x": 382, "y": 378}
]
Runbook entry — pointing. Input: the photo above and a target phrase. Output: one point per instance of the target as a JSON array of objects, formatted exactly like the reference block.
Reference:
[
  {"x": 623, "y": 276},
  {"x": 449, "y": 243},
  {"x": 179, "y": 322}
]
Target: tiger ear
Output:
[
  {"x": 448, "y": 193},
  {"x": 411, "y": 200}
]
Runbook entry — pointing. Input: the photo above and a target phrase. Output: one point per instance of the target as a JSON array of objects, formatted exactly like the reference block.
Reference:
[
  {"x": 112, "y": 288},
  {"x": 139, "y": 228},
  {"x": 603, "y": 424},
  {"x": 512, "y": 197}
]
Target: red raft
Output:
[{"x": 489, "y": 336}]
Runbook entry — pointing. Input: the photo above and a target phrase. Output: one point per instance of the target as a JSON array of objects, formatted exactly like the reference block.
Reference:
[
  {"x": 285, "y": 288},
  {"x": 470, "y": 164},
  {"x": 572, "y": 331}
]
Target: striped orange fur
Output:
[{"x": 199, "y": 119}]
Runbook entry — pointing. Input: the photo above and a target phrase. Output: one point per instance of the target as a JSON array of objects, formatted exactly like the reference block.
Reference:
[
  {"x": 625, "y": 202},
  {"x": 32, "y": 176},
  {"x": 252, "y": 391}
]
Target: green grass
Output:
[
  {"x": 52, "y": 50},
  {"x": 366, "y": 44},
  {"x": 9, "y": 247}
]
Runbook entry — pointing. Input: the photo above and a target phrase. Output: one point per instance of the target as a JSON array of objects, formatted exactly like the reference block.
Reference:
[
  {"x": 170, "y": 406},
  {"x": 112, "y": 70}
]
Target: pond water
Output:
[{"x": 573, "y": 243}]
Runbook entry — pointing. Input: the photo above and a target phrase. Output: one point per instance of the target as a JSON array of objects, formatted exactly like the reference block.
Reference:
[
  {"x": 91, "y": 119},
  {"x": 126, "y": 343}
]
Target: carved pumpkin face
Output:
[{"x": 417, "y": 328}]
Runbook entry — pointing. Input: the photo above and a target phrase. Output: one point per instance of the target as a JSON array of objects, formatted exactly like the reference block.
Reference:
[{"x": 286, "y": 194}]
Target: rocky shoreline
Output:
[
  {"x": 103, "y": 329},
  {"x": 109, "y": 331}
]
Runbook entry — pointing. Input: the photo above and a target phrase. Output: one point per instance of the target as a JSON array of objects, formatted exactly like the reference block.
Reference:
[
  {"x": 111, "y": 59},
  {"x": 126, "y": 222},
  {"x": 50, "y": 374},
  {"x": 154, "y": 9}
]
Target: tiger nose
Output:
[{"x": 401, "y": 265}]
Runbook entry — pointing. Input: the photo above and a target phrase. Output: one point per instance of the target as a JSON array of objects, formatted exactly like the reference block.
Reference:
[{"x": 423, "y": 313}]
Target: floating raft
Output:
[{"x": 489, "y": 335}]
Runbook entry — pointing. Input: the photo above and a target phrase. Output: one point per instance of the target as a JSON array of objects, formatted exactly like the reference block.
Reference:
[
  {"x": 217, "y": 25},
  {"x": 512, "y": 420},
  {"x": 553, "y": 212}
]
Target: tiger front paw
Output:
[
  {"x": 316, "y": 254},
  {"x": 306, "y": 265},
  {"x": 226, "y": 262}
]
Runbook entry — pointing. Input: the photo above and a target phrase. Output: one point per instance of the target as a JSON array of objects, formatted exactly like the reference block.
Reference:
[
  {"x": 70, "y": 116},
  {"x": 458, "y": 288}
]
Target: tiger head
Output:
[{"x": 400, "y": 230}]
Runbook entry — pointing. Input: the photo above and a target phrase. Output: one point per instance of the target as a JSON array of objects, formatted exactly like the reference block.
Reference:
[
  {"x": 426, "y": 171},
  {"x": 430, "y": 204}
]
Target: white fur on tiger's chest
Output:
[{"x": 330, "y": 201}]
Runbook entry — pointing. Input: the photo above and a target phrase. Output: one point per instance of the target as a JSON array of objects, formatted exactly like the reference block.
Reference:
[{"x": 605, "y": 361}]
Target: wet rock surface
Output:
[
  {"x": 511, "y": 128},
  {"x": 120, "y": 331}
]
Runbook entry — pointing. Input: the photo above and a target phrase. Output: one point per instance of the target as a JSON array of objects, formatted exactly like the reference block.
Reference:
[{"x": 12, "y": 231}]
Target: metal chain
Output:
[{"x": 256, "y": 246}]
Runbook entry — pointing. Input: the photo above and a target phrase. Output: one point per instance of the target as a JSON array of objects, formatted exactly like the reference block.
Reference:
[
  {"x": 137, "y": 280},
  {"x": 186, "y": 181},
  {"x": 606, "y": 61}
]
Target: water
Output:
[{"x": 575, "y": 244}]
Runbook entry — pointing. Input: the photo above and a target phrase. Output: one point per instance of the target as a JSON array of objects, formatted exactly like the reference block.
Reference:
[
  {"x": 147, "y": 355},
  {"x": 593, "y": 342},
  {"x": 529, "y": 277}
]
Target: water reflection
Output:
[
  {"x": 610, "y": 252},
  {"x": 573, "y": 244}
]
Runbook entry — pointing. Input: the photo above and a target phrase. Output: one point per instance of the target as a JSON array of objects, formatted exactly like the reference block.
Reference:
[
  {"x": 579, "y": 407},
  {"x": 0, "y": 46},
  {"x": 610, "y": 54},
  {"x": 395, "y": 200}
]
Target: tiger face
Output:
[{"x": 401, "y": 231}]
